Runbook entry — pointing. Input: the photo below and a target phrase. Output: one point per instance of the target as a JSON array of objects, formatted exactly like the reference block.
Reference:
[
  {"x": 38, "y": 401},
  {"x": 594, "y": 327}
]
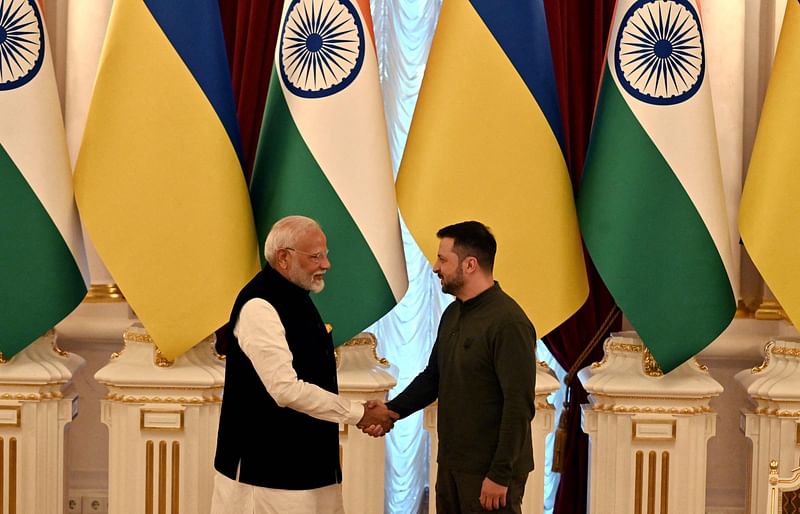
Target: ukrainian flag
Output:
[
  {"x": 158, "y": 181},
  {"x": 486, "y": 143}
]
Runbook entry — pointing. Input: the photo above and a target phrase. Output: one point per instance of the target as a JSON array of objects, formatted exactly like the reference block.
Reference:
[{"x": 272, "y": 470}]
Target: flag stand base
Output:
[
  {"x": 37, "y": 401},
  {"x": 162, "y": 419},
  {"x": 648, "y": 431},
  {"x": 773, "y": 422}
]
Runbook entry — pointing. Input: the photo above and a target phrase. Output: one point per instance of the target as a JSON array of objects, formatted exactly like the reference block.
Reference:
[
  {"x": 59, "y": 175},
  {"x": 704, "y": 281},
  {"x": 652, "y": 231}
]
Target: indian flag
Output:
[
  {"x": 43, "y": 272},
  {"x": 324, "y": 153},
  {"x": 768, "y": 217},
  {"x": 651, "y": 204}
]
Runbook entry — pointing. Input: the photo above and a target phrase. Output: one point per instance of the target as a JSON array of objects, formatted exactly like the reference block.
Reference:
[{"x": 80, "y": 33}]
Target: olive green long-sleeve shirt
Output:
[{"x": 483, "y": 370}]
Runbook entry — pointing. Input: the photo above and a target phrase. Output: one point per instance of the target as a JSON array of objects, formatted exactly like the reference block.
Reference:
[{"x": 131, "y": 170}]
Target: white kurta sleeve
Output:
[{"x": 263, "y": 339}]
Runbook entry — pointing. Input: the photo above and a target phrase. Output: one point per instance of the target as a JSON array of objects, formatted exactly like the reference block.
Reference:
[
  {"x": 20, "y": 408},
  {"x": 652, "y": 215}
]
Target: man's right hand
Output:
[{"x": 378, "y": 420}]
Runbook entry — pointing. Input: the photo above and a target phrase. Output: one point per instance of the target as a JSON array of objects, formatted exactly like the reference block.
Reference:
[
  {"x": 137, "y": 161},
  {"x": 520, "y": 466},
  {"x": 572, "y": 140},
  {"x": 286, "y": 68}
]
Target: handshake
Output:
[{"x": 378, "y": 420}]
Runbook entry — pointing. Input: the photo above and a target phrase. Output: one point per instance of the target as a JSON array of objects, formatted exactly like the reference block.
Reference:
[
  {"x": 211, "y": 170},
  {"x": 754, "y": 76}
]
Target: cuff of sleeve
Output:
[
  {"x": 356, "y": 413},
  {"x": 499, "y": 478}
]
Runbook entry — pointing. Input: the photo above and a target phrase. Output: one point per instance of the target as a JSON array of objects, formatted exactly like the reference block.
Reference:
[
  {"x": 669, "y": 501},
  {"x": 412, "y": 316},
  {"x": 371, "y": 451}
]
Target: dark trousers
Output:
[{"x": 459, "y": 493}]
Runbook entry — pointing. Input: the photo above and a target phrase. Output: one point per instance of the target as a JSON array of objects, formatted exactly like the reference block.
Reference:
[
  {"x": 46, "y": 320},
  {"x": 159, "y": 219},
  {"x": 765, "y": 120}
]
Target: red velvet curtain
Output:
[
  {"x": 251, "y": 30},
  {"x": 578, "y": 33}
]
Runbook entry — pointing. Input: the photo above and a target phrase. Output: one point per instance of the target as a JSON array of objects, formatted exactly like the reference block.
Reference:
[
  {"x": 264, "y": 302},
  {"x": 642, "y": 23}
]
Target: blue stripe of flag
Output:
[
  {"x": 520, "y": 28},
  {"x": 194, "y": 28}
]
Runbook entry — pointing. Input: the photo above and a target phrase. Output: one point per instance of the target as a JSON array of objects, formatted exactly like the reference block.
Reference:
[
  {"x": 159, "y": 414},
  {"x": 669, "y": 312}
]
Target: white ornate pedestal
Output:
[
  {"x": 362, "y": 376},
  {"x": 36, "y": 404},
  {"x": 773, "y": 425},
  {"x": 648, "y": 432},
  {"x": 162, "y": 419},
  {"x": 543, "y": 423}
]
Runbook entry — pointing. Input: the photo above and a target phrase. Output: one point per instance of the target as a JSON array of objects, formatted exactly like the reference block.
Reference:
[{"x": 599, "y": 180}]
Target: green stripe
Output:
[
  {"x": 287, "y": 180},
  {"x": 647, "y": 239},
  {"x": 39, "y": 281}
]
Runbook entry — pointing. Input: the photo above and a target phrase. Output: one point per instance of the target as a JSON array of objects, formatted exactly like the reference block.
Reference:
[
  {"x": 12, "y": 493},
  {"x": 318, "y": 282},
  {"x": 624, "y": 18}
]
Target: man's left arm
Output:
[{"x": 515, "y": 365}]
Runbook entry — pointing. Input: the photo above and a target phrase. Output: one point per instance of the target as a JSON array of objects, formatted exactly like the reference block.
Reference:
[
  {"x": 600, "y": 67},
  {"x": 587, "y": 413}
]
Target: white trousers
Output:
[{"x": 232, "y": 497}]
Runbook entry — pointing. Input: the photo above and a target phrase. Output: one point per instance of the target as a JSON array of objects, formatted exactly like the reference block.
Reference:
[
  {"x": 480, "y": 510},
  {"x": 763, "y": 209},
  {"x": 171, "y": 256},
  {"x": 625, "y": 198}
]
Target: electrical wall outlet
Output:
[
  {"x": 95, "y": 505},
  {"x": 74, "y": 504}
]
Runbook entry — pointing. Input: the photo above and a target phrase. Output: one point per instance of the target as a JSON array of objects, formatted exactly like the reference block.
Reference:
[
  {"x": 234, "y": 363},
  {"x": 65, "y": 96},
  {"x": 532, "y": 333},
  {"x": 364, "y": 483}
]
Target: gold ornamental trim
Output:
[
  {"x": 12, "y": 475},
  {"x": 610, "y": 347},
  {"x": 161, "y": 361},
  {"x": 651, "y": 482},
  {"x": 783, "y": 350},
  {"x": 55, "y": 395},
  {"x": 104, "y": 293},
  {"x": 3, "y": 359},
  {"x": 771, "y": 348},
  {"x": 149, "y": 474},
  {"x": 176, "y": 477},
  {"x": 136, "y": 337},
  {"x": 624, "y": 347},
  {"x": 162, "y": 399},
  {"x": 651, "y": 367},
  {"x": 58, "y": 350},
  {"x": 664, "y": 482},
  {"x": 623, "y": 409},
  {"x": 637, "y": 488},
  {"x": 767, "y": 352},
  {"x": 778, "y": 413},
  {"x": 365, "y": 339}
]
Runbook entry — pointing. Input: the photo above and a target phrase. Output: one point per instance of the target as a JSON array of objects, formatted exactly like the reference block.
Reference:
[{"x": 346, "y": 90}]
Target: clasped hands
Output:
[{"x": 378, "y": 419}]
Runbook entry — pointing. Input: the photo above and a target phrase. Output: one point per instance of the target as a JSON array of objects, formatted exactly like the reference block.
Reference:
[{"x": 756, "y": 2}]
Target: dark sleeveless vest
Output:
[{"x": 274, "y": 446}]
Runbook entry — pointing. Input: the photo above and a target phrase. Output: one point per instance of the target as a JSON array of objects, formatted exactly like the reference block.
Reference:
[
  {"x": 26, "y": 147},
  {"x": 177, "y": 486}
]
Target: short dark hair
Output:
[{"x": 472, "y": 238}]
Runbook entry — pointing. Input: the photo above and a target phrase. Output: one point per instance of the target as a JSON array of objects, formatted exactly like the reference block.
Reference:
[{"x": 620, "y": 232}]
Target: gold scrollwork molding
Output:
[
  {"x": 767, "y": 352},
  {"x": 136, "y": 337},
  {"x": 778, "y": 413},
  {"x": 610, "y": 347},
  {"x": 624, "y": 347},
  {"x": 126, "y": 398},
  {"x": 161, "y": 361},
  {"x": 651, "y": 367},
  {"x": 58, "y": 350},
  {"x": 366, "y": 339},
  {"x": 55, "y": 395},
  {"x": 788, "y": 352},
  {"x": 635, "y": 409}
]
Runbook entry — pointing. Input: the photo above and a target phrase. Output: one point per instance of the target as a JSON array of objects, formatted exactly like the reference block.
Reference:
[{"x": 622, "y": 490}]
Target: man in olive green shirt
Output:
[{"x": 483, "y": 371}]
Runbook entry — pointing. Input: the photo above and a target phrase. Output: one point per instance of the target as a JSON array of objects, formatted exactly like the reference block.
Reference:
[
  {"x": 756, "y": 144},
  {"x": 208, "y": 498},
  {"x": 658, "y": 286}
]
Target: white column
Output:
[
  {"x": 542, "y": 424},
  {"x": 36, "y": 404},
  {"x": 362, "y": 376},
  {"x": 162, "y": 419},
  {"x": 648, "y": 431},
  {"x": 773, "y": 424}
]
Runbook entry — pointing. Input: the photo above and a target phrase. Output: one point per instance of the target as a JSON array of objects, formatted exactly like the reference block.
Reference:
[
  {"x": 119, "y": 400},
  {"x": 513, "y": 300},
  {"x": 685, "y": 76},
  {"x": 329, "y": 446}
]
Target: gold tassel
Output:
[{"x": 560, "y": 443}]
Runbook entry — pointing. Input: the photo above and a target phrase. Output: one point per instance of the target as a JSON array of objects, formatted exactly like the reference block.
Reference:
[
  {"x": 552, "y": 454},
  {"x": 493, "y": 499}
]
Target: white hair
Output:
[{"x": 285, "y": 233}]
